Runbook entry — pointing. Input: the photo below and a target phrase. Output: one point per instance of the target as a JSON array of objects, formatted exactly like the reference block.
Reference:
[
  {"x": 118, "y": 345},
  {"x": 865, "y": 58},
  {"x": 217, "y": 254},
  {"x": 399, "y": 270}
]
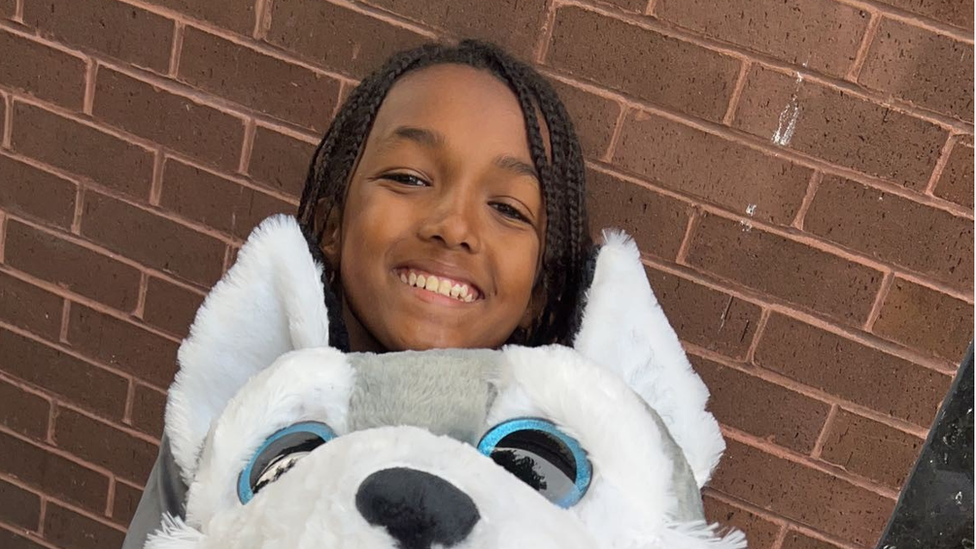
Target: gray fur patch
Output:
[{"x": 447, "y": 392}]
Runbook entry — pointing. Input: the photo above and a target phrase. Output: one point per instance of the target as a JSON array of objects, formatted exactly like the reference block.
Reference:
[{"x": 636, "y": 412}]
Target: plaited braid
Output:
[{"x": 561, "y": 179}]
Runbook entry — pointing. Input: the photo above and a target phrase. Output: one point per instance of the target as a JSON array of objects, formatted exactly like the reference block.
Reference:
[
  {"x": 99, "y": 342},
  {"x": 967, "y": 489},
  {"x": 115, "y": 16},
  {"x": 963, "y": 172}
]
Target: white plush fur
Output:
[
  {"x": 625, "y": 330},
  {"x": 270, "y": 302},
  {"x": 258, "y": 360},
  {"x": 629, "y": 505},
  {"x": 314, "y": 384}
]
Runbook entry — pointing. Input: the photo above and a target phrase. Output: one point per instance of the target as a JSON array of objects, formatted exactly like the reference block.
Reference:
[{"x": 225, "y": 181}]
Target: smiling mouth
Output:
[{"x": 441, "y": 285}]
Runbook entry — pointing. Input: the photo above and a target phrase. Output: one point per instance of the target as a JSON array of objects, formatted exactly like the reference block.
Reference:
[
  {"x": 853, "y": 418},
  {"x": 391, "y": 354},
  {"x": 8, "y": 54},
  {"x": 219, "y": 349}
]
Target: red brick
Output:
[
  {"x": 290, "y": 92},
  {"x": 82, "y": 150},
  {"x": 10, "y": 540},
  {"x": 109, "y": 27},
  {"x": 70, "y": 379},
  {"x": 788, "y": 270},
  {"x": 926, "y": 320},
  {"x": 71, "y": 530},
  {"x": 19, "y": 507},
  {"x": 642, "y": 63},
  {"x": 123, "y": 345},
  {"x": 594, "y": 118},
  {"x": 41, "y": 71},
  {"x": 232, "y": 255},
  {"x": 29, "y": 307},
  {"x": 871, "y": 449},
  {"x": 126, "y": 501},
  {"x": 760, "y": 532},
  {"x": 761, "y": 408},
  {"x": 821, "y": 34},
  {"x": 337, "y": 37},
  {"x": 35, "y": 193},
  {"x": 805, "y": 495},
  {"x": 279, "y": 161},
  {"x": 952, "y": 12},
  {"x": 171, "y": 307},
  {"x": 636, "y": 6},
  {"x": 171, "y": 120},
  {"x": 512, "y": 24},
  {"x": 705, "y": 317},
  {"x": 956, "y": 182},
  {"x": 153, "y": 240},
  {"x": 71, "y": 266},
  {"x": 102, "y": 444},
  {"x": 8, "y": 8},
  {"x": 147, "y": 410},
  {"x": 216, "y": 202},
  {"x": 839, "y": 128},
  {"x": 796, "y": 540},
  {"x": 851, "y": 371},
  {"x": 882, "y": 225},
  {"x": 23, "y": 412},
  {"x": 927, "y": 69},
  {"x": 53, "y": 474},
  {"x": 656, "y": 222},
  {"x": 254, "y": 207},
  {"x": 231, "y": 14},
  {"x": 709, "y": 167}
]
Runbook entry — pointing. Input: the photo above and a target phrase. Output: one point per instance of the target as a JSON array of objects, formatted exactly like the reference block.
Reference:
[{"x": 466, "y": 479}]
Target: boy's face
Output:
[{"x": 445, "y": 187}]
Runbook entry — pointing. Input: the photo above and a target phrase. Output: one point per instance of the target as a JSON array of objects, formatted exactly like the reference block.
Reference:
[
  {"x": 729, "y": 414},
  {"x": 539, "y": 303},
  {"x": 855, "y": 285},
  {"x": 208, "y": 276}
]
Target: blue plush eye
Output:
[
  {"x": 542, "y": 456},
  {"x": 278, "y": 454}
]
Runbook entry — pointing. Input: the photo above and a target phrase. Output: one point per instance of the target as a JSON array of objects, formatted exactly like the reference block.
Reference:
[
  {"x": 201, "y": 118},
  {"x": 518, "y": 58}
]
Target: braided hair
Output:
[{"x": 561, "y": 180}]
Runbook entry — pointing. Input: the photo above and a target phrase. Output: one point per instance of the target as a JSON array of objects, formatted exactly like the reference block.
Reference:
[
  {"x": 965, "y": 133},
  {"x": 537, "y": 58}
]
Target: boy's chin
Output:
[{"x": 422, "y": 336}]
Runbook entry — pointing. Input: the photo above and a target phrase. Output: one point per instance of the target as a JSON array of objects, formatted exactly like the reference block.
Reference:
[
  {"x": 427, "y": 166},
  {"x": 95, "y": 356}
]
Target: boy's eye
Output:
[
  {"x": 406, "y": 179},
  {"x": 509, "y": 211}
]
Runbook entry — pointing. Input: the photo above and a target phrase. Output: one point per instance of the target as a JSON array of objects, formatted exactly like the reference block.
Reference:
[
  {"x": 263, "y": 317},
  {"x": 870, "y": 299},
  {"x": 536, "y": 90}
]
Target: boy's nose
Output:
[
  {"x": 417, "y": 509},
  {"x": 453, "y": 226}
]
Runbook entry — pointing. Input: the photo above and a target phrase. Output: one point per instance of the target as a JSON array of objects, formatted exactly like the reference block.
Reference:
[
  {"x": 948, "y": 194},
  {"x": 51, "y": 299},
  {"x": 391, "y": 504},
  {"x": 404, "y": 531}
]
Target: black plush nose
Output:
[{"x": 417, "y": 508}]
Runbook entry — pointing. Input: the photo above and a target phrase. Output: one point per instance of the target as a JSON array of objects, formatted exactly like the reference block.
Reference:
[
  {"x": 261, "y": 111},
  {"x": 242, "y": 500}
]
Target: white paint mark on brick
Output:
[
  {"x": 787, "y": 123},
  {"x": 789, "y": 116},
  {"x": 751, "y": 210}
]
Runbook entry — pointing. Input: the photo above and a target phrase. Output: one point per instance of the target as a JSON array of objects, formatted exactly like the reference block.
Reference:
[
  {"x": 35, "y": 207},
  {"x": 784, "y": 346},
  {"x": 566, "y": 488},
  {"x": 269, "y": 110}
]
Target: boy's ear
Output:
[
  {"x": 537, "y": 302},
  {"x": 331, "y": 227}
]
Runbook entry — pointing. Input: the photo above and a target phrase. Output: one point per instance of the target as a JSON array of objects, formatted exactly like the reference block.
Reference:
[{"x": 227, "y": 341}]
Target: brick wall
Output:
[{"x": 798, "y": 174}]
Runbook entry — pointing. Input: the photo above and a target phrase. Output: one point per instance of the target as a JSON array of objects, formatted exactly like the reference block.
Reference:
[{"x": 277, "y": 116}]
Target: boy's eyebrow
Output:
[
  {"x": 512, "y": 164},
  {"x": 433, "y": 139},
  {"x": 422, "y": 136}
]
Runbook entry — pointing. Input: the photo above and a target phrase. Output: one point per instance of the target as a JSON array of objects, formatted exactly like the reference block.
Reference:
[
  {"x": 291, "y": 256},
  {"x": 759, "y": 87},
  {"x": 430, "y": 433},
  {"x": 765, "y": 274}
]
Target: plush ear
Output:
[
  {"x": 624, "y": 328},
  {"x": 270, "y": 302}
]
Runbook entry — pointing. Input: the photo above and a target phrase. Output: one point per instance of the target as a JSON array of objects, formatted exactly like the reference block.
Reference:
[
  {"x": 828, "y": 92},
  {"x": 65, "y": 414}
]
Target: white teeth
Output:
[
  {"x": 444, "y": 288},
  {"x": 441, "y": 286}
]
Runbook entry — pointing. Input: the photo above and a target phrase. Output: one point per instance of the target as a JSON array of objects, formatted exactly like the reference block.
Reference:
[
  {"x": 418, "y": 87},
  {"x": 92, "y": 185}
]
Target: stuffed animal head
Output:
[{"x": 286, "y": 442}]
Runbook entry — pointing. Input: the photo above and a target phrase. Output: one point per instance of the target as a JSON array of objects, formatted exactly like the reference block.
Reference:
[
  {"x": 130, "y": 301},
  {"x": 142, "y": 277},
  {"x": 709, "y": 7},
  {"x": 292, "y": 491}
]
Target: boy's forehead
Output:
[
  {"x": 442, "y": 87},
  {"x": 454, "y": 100}
]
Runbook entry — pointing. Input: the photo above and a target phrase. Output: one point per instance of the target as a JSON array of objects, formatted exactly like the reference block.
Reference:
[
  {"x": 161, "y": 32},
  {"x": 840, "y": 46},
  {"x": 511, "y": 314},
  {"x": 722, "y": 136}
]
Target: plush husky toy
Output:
[{"x": 286, "y": 442}]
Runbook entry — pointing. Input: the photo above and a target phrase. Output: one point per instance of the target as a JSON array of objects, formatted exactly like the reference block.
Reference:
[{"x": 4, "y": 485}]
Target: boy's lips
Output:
[{"x": 440, "y": 280}]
